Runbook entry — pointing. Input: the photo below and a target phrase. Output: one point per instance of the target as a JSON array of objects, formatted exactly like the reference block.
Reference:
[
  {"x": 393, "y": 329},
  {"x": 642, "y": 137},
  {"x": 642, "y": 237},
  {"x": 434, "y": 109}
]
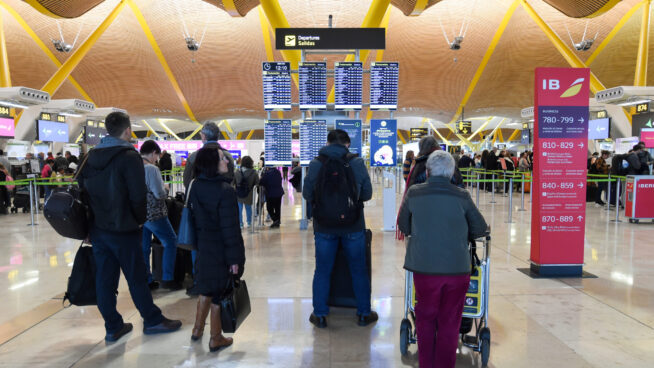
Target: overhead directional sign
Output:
[
  {"x": 417, "y": 133},
  {"x": 330, "y": 38},
  {"x": 464, "y": 127},
  {"x": 50, "y": 131}
]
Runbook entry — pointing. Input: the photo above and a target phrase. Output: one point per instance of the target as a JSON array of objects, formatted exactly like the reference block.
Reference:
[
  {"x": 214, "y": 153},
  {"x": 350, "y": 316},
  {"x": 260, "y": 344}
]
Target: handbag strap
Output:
[
  {"x": 81, "y": 166},
  {"x": 188, "y": 194}
]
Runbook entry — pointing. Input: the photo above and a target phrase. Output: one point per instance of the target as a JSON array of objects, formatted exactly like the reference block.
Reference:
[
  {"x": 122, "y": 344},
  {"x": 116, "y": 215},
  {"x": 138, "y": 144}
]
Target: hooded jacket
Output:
[
  {"x": 114, "y": 179},
  {"x": 363, "y": 184},
  {"x": 438, "y": 243}
]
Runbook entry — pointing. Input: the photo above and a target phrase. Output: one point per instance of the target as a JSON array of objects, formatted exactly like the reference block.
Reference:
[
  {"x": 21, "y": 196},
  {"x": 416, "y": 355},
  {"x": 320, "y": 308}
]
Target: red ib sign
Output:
[{"x": 566, "y": 89}]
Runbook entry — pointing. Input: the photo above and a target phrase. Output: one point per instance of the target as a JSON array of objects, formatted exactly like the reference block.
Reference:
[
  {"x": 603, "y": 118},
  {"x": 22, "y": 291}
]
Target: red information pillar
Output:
[{"x": 558, "y": 217}]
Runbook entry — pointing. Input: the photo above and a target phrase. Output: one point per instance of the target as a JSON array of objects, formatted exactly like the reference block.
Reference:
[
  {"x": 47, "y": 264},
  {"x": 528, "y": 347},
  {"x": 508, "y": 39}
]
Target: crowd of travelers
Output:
[{"x": 126, "y": 192}]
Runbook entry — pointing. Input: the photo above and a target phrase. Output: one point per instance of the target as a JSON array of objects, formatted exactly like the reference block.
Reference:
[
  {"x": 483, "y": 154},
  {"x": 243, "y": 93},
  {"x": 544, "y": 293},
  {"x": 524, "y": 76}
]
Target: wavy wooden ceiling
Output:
[
  {"x": 581, "y": 8},
  {"x": 66, "y": 8},
  {"x": 224, "y": 81}
]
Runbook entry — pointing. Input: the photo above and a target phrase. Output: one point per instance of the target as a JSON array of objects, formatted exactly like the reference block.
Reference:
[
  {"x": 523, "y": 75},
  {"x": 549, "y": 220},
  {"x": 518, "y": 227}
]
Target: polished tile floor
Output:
[{"x": 596, "y": 322}]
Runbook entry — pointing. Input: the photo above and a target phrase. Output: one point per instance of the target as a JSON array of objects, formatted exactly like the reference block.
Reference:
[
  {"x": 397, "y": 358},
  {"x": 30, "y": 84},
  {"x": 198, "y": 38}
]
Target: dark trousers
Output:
[
  {"x": 115, "y": 252},
  {"x": 274, "y": 207},
  {"x": 601, "y": 187},
  {"x": 439, "y": 306}
]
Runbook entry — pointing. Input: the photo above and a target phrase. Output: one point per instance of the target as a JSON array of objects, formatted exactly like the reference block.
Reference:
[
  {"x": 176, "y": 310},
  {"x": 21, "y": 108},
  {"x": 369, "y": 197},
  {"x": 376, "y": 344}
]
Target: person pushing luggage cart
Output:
[{"x": 438, "y": 263}]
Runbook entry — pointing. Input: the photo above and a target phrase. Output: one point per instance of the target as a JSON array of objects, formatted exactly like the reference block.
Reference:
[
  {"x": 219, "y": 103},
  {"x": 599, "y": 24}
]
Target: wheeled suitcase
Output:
[
  {"x": 21, "y": 200},
  {"x": 341, "y": 292},
  {"x": 183, "y": 263}
]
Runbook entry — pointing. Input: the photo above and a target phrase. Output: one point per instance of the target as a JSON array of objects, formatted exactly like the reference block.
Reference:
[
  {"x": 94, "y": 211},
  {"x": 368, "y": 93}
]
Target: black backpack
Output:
[
  {"x": 81, "y": 283},
  {"x": 616, "y": 164},
  {"x": 242, "y": 187},
  {"x": 336, "y": 198},
  {"x": 67, "y": 211}
]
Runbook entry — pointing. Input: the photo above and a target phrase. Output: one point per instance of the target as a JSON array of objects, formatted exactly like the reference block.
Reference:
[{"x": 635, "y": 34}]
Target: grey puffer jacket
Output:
[
  {"x": 440, "y": 220},
  {"x": 252, "y": 179}
]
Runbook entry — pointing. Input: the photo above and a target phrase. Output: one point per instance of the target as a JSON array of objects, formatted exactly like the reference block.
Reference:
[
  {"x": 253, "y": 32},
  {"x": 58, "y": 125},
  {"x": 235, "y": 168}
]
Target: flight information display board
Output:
[
  {"x": 313, "y": 137},
  {"x": 277, "y": 138},
  {"x": 313, "y": 85},
  {"x": 348, "y": 85},
  {"x": 353, "y": 129},
  {"x": 384, "y": 78},
  {"x": 277, "y": 86}
]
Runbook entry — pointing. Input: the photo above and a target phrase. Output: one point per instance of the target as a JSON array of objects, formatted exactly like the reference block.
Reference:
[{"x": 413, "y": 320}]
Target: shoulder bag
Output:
[
  {"x": 186, "y": 237},
  {"x": 68, "y": 211}
]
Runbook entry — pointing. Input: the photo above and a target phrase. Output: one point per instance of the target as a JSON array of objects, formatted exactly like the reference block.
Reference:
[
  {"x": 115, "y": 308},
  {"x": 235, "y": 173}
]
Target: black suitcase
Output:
[
  {"x": 341, "y": 292},
  {"x": 183, "y": 263}
]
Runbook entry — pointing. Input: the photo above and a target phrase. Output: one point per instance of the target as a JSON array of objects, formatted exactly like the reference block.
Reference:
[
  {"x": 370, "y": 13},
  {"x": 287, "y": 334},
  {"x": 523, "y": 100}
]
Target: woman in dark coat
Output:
[
  {"x": 271, "y": 179},
  {"x": 221, "y": 254}
]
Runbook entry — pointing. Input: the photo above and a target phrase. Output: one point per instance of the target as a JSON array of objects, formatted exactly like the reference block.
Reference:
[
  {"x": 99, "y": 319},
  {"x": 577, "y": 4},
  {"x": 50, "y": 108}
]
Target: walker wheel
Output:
[
  {"x": 484, "y": 346},
  {"x": 405, "y": 332}
]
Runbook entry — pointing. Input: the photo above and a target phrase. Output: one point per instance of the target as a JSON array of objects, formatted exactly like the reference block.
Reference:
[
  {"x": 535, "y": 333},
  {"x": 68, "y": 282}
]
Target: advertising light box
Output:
[
  {"x": 647, "y": 137},
  {"x": 49, "y": 131},
  {"x": 598, "y": 129},
  {"x": 93, "y": 135},
  {"x": 6, "y": 127}
]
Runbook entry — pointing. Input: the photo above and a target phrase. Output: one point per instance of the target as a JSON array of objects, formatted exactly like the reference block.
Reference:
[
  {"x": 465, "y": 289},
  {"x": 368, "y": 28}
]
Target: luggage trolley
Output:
[{"x": 475, "y": 308}]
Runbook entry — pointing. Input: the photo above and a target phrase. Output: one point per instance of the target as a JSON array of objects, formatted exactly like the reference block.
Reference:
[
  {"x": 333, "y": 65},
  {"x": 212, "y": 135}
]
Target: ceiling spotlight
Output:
[
  {"x": 192, "y": 44},
  {"x": 584, "y": 45},
  {"x": 456, "y": 44},
  {"x": 62, "y": 46}
]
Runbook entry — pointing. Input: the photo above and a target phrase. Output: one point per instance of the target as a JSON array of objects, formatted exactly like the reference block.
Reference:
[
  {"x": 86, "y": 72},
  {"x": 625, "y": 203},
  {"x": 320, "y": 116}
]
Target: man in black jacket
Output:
[
  {"x": 114, "y": 179},
  {"x": 165, "y": 164}
]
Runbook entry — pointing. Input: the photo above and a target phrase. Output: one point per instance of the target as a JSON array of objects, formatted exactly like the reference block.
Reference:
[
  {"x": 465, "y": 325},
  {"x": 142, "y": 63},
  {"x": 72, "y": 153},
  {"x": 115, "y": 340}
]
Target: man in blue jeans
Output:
[
  {"x": 336, "y": 185},
  {"x": 114, "y": 179}
]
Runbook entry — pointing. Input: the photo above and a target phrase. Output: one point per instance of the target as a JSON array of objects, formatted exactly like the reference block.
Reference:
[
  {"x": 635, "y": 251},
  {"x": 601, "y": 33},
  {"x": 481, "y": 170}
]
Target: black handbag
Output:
[
  {"x": 81, "y": 283},
  {"x": 67, "y": 211},
  {"x": 235, "y": 305}
]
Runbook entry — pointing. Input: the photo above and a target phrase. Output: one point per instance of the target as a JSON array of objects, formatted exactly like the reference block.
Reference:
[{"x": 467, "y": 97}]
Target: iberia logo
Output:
[
  {"x": 649, "y": 123},
  {"x": 574, "y": 88}
]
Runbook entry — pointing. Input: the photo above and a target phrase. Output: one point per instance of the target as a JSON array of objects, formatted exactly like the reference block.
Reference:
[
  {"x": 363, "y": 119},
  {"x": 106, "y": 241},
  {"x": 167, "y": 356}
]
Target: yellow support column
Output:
[
  {"x": 5, "y": 75},
  {"x": 484, "y": 61},
  {"x": 568, "y": 55},
  {"x": 53, "y": 84},
  {"x": 613, "y": 32},
  {"x": 162, "y": 60},
  {"x": 250, "y": 134},
  {"x": 277, "y": 19},
  {"x": 643, "y": 47},
  {"x": 196, "y": 131},
  {"x": 514, "y": 134},
  {"x": 373, "y": 19},
  {"x": 43, "y": 47},
  {"x": 401, "y": 136}
]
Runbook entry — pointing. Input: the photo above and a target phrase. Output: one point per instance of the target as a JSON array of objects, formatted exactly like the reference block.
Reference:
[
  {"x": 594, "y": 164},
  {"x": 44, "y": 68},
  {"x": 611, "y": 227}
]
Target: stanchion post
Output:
[
  {"x": 608, "y": 198},
  {"x": 617, "y": 201},
  {"x": 493, "y": 190},
  {"x": 254, "y": 211},
  {"x": 522, "y": 190},
  {"x": 31, "y": 190},
  {"x": 510, "y": 201},
  {"x": 477, "y": 190}
]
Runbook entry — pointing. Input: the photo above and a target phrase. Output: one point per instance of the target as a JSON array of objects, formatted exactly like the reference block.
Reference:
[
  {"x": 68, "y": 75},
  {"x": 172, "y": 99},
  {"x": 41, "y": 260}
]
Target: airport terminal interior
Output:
[{"x": 544, "y": 106}]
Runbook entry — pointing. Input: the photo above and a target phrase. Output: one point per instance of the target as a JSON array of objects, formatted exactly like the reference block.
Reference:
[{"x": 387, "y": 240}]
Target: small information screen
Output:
[
  {"x": 384, "y": 78},
  {"x": 313, "y": 86},
  {"x": 353, "y": 129},
  {"x": 277, "y": 142},
  {"x": 348, "y": 85},
  {"x": 277, "y": 86},
  {"x": 313, "y": 137}
]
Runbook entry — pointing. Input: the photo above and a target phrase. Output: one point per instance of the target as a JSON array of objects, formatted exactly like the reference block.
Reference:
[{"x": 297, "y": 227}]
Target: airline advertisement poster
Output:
[
  {"x": 353, "y": 129},
  {"x": 6, "y": 127},
  {"x": 559, "y": 197},
  {"x": 383, "y": 142}
]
